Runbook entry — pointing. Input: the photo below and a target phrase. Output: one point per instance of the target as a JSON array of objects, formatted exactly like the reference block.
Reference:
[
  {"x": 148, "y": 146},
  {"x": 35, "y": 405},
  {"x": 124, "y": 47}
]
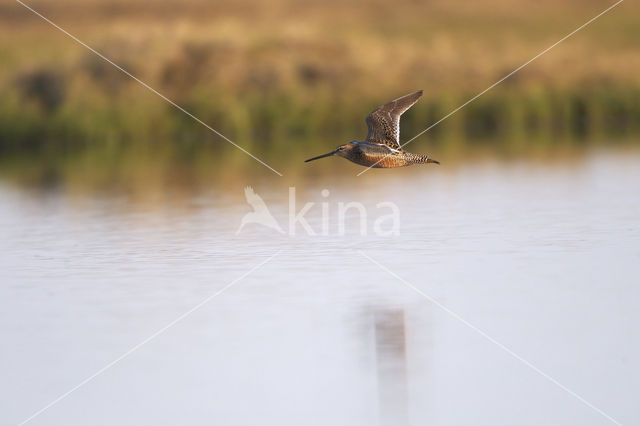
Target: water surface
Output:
[{"x": 543, "y": 258}]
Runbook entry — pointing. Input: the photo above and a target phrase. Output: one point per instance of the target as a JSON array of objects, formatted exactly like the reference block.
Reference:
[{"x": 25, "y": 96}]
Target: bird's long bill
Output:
[{"x": 320, "y": 156}]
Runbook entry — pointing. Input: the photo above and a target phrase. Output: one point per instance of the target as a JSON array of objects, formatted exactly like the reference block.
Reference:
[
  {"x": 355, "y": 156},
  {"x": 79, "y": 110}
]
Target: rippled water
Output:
[{"x": 500, "y": 274}]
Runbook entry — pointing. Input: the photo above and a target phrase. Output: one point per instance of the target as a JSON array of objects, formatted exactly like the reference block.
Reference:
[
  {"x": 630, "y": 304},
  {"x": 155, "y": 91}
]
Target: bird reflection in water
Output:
[{"x": 391, "y": 355}]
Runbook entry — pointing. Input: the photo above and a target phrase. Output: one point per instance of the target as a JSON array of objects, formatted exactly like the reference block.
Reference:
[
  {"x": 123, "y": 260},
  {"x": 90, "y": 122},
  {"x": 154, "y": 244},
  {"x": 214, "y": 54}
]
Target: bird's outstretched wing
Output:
[
  {"x": 252, "y": 198},
  {"x": 384, "y": 122}
]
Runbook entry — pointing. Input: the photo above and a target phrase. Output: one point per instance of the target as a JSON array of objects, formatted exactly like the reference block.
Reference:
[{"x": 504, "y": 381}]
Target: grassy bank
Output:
[{"x": 287, "y": 78}]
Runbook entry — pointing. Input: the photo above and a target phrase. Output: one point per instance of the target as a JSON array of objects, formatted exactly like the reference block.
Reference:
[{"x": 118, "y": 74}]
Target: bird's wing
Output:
[
  {"x": 384, "y": 122},
  {"x": 249, "y": 194},
  {"x": 252, "y": 198}
]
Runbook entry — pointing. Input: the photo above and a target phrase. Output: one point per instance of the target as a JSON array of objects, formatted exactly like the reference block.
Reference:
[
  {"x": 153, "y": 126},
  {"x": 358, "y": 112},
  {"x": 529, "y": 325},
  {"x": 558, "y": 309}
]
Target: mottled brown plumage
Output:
[
  {"x": 382, "y": 148},
  {"x": 384, "y": 122}
]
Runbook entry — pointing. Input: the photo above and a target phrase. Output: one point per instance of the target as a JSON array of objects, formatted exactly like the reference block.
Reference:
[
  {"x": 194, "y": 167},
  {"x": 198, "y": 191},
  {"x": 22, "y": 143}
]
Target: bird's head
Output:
[{"x": 341, "y": 151}]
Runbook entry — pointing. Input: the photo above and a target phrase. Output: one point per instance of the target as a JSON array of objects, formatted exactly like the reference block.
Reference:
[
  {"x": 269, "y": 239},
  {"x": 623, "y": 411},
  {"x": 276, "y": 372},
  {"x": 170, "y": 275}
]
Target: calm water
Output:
[{"x": 543, "y": 258}]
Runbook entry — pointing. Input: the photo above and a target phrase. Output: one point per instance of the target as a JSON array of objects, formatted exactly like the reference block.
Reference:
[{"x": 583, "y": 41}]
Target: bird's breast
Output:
[{"x": 379, "y": 159}]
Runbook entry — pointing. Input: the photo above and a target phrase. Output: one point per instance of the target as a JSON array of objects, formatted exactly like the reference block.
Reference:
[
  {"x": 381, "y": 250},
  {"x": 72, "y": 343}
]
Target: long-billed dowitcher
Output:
[{"x": 382, "y": 148}]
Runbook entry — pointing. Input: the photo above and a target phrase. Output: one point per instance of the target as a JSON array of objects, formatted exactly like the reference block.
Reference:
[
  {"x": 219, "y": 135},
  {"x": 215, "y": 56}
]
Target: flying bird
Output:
[
  {"x": 382, "y": 148},
  {"x": 260, "y": 213}
]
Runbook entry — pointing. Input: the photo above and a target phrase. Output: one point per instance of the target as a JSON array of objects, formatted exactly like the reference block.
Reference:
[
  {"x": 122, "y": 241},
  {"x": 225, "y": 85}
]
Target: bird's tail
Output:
[{"x": 421, "y": 159}]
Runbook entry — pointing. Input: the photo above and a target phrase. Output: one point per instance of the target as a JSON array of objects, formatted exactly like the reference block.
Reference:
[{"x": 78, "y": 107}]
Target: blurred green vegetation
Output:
[{"x": 290, "y": 79}]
